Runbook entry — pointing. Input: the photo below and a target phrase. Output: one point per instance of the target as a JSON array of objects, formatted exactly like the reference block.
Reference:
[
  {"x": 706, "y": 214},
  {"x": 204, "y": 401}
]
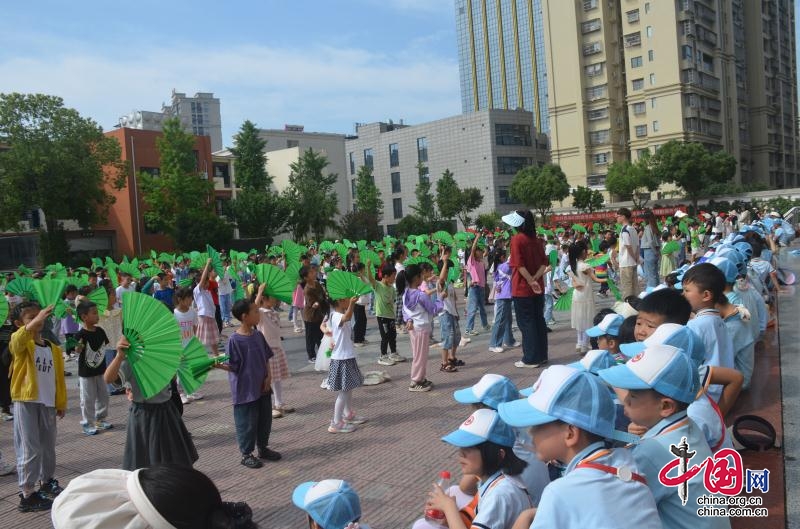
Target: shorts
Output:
[{"x": 451, "y": 331}]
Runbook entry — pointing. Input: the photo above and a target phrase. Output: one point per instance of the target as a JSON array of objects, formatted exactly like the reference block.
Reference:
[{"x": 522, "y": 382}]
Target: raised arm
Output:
[{"x": 204, "y": 278}]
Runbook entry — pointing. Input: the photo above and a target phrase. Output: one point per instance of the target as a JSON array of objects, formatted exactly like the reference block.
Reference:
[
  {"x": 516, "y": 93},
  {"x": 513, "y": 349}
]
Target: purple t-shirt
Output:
[
  {"x": 502, "y": 281},
  {"x": 248, "y": 360}
]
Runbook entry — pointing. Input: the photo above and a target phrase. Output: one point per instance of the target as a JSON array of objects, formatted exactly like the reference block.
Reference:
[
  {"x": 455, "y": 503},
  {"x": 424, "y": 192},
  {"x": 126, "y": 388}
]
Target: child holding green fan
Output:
[
  {"x": 207, "y": 330},
  {"x": 92, "y": 342},
  {"x": 583, "y": 309},
  {"x": 269, "y": 324}
]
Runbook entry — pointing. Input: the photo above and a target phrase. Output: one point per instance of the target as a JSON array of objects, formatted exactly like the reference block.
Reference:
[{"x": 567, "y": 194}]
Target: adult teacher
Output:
[{"x": 528, "y": 265}]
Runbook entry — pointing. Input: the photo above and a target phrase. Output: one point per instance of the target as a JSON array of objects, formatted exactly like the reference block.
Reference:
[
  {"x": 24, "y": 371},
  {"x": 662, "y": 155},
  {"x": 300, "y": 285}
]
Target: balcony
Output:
[
  {"x": 593, "y": 48},
  {"x": 591, "y": 26},
  {"x": 588, "y": 5},
  {"x": 632, "y": 40},
  {"x": 633, "y": 16}
]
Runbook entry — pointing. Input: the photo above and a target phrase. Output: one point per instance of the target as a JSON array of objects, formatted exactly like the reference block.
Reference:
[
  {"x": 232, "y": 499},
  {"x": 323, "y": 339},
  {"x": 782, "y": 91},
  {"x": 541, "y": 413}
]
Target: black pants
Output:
[
  {"x": 388, "y": 335},
  {"x": 530, "y": 320},
  {"x": 359, "y": 323},
  {"x": 313, "y": 338},
  {"x": 218, "y": 317},
  {"x": 5, "y": 387},
  {"x": 253, "y": 422}
]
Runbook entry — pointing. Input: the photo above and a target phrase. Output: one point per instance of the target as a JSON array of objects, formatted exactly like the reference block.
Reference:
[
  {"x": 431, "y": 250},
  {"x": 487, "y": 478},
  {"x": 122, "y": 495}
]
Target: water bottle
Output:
[{"x": 435, "y": 516}]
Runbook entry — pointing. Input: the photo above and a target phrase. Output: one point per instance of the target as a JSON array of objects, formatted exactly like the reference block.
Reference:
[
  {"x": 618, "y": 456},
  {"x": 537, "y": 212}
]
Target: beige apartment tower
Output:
[{"x": 626, "y": 76}]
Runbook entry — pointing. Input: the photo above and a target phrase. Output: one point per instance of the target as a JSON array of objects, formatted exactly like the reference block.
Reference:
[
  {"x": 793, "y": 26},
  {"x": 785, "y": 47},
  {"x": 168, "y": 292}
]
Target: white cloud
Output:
[{"x": 327, "y": 88}]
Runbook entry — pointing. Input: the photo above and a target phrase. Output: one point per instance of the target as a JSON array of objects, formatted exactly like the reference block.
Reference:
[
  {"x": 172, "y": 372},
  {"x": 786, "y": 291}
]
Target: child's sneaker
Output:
[
  {"x": 89, "y": 429},
  {"x": 419, "y": 387},
  {"x": 34, "y": 502},
  {"x": 185, "y": 399},
  {"x": 355, "y": 419},
  {"x": 268, "y": 454},
  {"x": 286, "y": 409},
  {"x": 342, "y": 427},
  {"x": 6, "y": 469},
  {"x": 6, "y": 416},
  {"x": 385, "y": 360},
  {"x": 496, "y": 349},
  {"x": 196, "y": 396},
  {"x": 103, "y": 425},
  {"x": 51, "y": 489},
  {"x": 276, "y": 413},
  {"x": 251, "y": 462},
  {"x": 396, "y": 357}
]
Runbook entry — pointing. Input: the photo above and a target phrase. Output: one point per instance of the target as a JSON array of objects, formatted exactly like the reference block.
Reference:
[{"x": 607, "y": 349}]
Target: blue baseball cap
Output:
[
  {"x": 745, "y": 248},
  {"x": 330, "y": 502},
  {"x": 610, "y": 325},
  {"x": 490, "y": 390},
  {"x": 727, "y": 267},
  {"x": 663, "y": 368},
  {"x": 483, "y": 425},
  {"x": 672, "y": 334},
  {"x": 594, "y": 361},
  {"x": 566, "y": 394}
]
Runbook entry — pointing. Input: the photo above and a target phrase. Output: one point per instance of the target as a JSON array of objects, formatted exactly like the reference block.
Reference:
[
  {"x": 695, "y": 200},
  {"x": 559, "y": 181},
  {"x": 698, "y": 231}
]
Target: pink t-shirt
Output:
[{"x": 477, "y": 272}]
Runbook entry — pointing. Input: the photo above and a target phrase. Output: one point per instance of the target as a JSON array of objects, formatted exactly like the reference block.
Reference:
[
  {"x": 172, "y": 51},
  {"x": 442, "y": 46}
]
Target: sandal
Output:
[
  {"x": 456, "y": 362},
  {"x": 449, "y": 368}
]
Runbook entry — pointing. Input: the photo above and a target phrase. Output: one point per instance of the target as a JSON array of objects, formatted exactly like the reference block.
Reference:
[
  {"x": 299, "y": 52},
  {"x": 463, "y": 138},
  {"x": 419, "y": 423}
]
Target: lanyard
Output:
[
  {"x": 706, "y": 312},
  {"x": 623, "y": 473}
]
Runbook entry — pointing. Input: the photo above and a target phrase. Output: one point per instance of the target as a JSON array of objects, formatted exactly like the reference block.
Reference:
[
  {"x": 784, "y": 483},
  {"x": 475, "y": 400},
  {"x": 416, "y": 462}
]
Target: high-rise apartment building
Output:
[
  {"x": 638, "y": 73},
  {"x": 501, "y": 57}
]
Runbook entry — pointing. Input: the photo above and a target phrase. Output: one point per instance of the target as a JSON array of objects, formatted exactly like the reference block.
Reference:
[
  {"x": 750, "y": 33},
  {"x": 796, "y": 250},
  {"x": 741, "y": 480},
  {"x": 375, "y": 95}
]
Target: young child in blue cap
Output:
[
  {"x": 571, "y": 417},
  {"x": 484, "y": 442},
  {"x": 607, "y": 334},
  {"x": 661, "y": 382},
  {"x": 329, "y": 504}
]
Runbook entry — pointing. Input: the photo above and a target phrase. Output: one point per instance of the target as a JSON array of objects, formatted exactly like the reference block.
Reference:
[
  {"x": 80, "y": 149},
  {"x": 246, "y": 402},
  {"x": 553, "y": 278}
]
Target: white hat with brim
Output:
[{"x": 514, "y": 219}]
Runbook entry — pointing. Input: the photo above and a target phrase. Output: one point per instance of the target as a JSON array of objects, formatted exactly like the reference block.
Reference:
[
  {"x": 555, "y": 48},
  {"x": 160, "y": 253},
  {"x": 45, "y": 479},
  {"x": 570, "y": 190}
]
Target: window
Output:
[
  {"x": 633, "y": 39},
  {"x": 152, "y": 171},
  {"x": 221, "y": 170},
  {"x": 368, "y": 158},
  {"x": 593, "y": 70},
  {"x": 395, "y": 182},
  {"x": 638, "y": 108},
  {"x": 642, "y": 153},
  {"x": 649, "y": 31},
  {"x": 633, "y": 16},
  {"x": 641, "y": 131},
  {"x": 599, "y": 137},
  {"x": 510, "y": 134},
  {"x": 637, "y": 84},
  {"x": 601, "y": 158},
  {"x": 292, "y": 143},
  {"x": 595, "y": 92},
  {"x": 503, "y": 196},
  {"x": 588, "y": 5},
  {"x": 591, "y": 26},
  {"x": 686, "y": 52},
  {"x": 598, "y": 113},
  {"x": 424, "y": 175},
  {"x": 647, "y": 7},
  {"x": 394, "y": 155},
  {"x": 652, "y": 79},
  {"x": 636, "y": 62},
  {"x": 352, "y": 158},
  {"x": 596, "y": 180},
  {"x": 651, "y": 55},
  {"x": 652, "y": 102},
  {"x": 512, "y": 164},
  {"x": 353, "y": 187},
  {"x": 422, "y": 149},
  {"x": 397, "y": 206},
  {"x": 655, "y": 126},
  {"x": 591, "y": 49}
]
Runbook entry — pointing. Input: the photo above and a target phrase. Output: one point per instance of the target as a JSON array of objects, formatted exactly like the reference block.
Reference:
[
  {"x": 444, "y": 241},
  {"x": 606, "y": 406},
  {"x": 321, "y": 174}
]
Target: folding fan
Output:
[
  {"x": 194, "y": 359},
  {"x": 48, "y": 292},
  {"x": 579, "y": 227},
  {"x": 3, "y": 309},
  {"x": 564, "y": 303},
  {"x": 597, "y": 261},
  {"x": 420, "y": 260},
  {"x": 22, "y": 287},
  {"x": 613, "y": 288},
  {"x": 671, "y": 247},
  {"x": 279, "y": 284},
  {"x": 216, "y": 260},
  {"x": 326, "y": 246},
  {"x": 345, "y": 285},
  {"x": 155, "y": 341}
]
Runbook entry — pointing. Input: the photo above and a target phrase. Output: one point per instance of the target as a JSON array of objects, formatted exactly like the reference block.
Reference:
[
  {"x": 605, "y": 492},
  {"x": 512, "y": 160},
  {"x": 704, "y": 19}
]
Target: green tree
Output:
[
  {"x": 537, "y": 187},
  {"x": 311, "y": 196},
  {"x": 698, "y": 172},
  {"x": 425, "y": 208},
  {"x": 258, "y": 210},
  {"x": 454, "y": 201},
  {"x": 368, "y": 196},
  {"x": 488, "y": 221},
  {"x": 55, "y": 160},
  {"x": 632, "y": 181},
  {"x": 358, "y": 225},
  {"x": 178, "y": 200},
  {"x": 587, "y": 199}
]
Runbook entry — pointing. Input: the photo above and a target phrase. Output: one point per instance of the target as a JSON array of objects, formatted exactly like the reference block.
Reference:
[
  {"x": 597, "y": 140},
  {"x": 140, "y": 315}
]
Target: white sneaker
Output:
[
  {"x": 396, "y": 358},
  {"x": 185, "y": 399},
  {"x": 196, "y": 396},
  {"x": 386, "y": 361},
  {"x": 466, "y": 339},
  {"x": 324, "y": 384},
  {"x": 496, "y": 349},
  {"x": 7, "y": 469}
]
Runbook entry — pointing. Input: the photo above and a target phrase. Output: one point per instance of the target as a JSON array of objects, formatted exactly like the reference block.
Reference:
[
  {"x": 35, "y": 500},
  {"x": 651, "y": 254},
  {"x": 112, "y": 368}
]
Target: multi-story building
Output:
[
  {"x": 638, "y": 73},
  {"x": 199, "y": 115},
  {"x": 501, "y": 56},
  {"x": 483, "y": 149}
]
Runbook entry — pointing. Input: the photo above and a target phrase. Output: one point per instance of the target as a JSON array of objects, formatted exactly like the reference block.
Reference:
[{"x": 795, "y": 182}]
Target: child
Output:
[
  {"x": 583, "y": 297},
  {"x": 384, "y": 310},
  {"x": 570, "y": 415},
  {"x": 485, "y": 449},
  {"x": 269, "y": 324},
  {"x": 329, "y": 504},
  {"x": 207, "y": 328},
  {"x": 69, "y": 327},
  {"x": 418, "y": 311},
  {"x": 296, "y": 311},
  {"x": 92, "y": 342},
  {"x": 501, "y": 329},
  {"x": 661, "y": 383},
  {"x": 126, "y": 284},
  {"x": 659, "y": 307},
  {"x": 601, "y": 270},
  {"x": 448, "y": 319},
  {"x": 314, "y": 311},
  {"x": 164, "y": 291},
  {"x": 668, "y": 259},
  {"x": 477, "y": 276},
  {"x": 607, "y": 334},
  {"x": 249, "y": 376},
  {"x": 186, "y": 317},
  {"x": 111, "y": 322},
  {"x": 39, "y": 392}
]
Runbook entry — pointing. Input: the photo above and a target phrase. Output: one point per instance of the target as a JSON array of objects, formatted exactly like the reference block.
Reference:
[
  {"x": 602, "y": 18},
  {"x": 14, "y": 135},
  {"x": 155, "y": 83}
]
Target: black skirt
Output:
[
  {"x": 156, "y": 434},
  {"x": 344, "y": 375}
]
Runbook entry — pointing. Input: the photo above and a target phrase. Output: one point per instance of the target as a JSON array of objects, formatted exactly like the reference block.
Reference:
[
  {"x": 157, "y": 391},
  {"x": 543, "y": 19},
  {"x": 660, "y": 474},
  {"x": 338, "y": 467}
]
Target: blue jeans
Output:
[
  {"x": 253, "y": 422},
  {"x": 475, "y": 304},
  {"x": 548, "y": 307},
  {"x": 651, "y": 267},
  {"x": 225, "y": 307},
  {"x": 501, "y": 330},
  {"x": 530, "y": 320}
]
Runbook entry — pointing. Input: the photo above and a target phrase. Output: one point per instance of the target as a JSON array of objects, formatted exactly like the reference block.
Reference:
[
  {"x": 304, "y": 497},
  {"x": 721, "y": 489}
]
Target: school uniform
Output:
[
  {"x": 744, "y": 345},
  {"x": 708, "y": 325},
  {"x": 706, "y": 414},
  {"x": 501, "y": 499},
  {"x": 652, "y": 452},
  {"x": 605, "y": 501}
]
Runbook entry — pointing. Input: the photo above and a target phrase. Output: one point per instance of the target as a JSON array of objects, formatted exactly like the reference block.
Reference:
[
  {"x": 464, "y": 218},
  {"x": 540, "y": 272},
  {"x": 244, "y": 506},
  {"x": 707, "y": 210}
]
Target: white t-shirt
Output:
[
  {"x": 186, "y": 321},
  {"x": 449, "y": 303},
  {"x": 342, "y": 338},
  {"x": 45, "y": 375},
  {"x": 628, "y": 237},
  {"x": 122, "y": 290},
  {"x": 224, "y": 283},
  {"x": 204, "y": 302}
]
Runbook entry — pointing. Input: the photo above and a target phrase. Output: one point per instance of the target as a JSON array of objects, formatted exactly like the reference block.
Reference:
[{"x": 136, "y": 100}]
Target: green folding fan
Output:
[
  {"x": 564, "y": 303},
  {"x": 579, "y": 228},
  {"x": 48, "y": 292},
  {"x": 113, "y": 275},
  {"x": 595, "y": 242},
  {"x": 420, "y": 260},
  {"x": 3, "y": 310},
  {"x": 279, "y": 284},
  {"x": 361, "y": 245},
  {"x": 345, "y": 285},
  {"x": 553, "y": 258},
  {"x": 24, "y": 270},
  {"x": 670, "y": 247},
  {"x": 371, "y": 257},
  {"x": 194, "y": 365},
  {"x": 613, "y": 288},
  {"x": 598, "y": 261},
  {"x": 96, "y": 263},
  {"x": 155, "y": 341},
  {"x": 187, "y": 282},
  {"x": 238, "y": 292},
  {"x": 22, "y": 287},
  {"x": 216, "y": 260},
  {"x": 79, "y": 280},
  {"x": 198, "y": 261},
  {"x": 99, "y": 297},
  {"x": 326, "y": 246}
]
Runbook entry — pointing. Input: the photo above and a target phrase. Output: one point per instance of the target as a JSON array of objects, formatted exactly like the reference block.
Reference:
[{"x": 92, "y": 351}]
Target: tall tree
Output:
[
  {"x": 368, "y": 196},
  {"x": 699, "y": 172},
  {"x": 425, "y": 207},
  {"x": 537, "y": 187},
  {"x": 454, "y": 201},
  {"x": 587, "y": 199},
  {"x": 178, "y": 200},
  {"x": 632, "y": 181},
  {"x": 258, "y": 210},
  {"x": 311, "y": 196},
  {"x": 55, "y": 160}
]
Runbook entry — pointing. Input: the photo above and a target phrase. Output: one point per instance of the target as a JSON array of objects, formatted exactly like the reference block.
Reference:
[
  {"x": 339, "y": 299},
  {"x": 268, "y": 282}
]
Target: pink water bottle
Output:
[{"x": 435, "y": 516}]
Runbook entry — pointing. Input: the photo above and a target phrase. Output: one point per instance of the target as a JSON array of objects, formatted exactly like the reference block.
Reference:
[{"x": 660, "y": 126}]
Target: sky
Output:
[{"x": 324, "y": 64}]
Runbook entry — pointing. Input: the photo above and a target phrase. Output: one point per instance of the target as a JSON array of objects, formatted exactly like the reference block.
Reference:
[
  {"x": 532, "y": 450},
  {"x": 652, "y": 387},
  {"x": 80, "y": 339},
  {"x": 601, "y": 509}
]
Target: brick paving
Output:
[{"x": 391, "y": 460}]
